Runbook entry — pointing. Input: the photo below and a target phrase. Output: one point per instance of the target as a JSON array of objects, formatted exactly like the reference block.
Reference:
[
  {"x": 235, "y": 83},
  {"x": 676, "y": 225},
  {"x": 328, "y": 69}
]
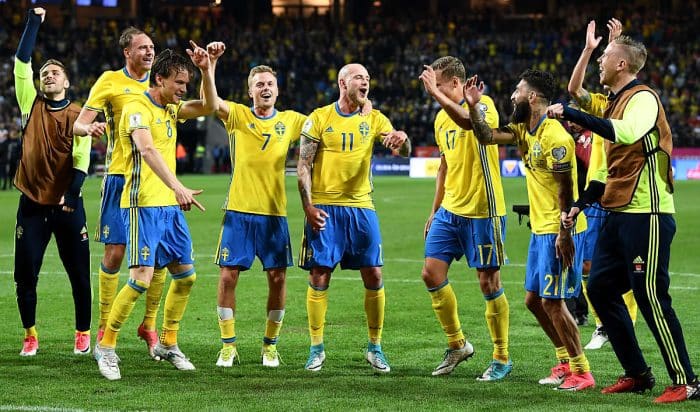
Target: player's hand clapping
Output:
[{"x": 473, "y": 89}]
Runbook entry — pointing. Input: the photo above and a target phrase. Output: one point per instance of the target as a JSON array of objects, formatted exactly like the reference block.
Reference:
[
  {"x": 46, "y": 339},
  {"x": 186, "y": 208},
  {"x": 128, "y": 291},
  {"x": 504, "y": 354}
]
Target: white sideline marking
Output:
[{"x": 37, "y": 408}]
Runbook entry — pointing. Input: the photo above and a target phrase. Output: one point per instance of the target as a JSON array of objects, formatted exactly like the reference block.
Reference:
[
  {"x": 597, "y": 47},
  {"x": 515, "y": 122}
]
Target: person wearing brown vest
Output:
[
  {"x": 635, "y": 242},
  {"x": 52, "y": 168}
]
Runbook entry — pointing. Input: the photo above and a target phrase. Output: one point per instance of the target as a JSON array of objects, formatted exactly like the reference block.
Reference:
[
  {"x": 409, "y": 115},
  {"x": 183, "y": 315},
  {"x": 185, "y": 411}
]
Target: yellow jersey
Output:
[
  {"x": 142, "y": 187},
  {"x": 473, "y": 181},
  {"x": 109, "y": 94},
  {"x": 547, "y": 150},
  {"x": 597, "y": 165},
  {"x": 341, "y": 173},
  {"x": 259, "y": 147}
]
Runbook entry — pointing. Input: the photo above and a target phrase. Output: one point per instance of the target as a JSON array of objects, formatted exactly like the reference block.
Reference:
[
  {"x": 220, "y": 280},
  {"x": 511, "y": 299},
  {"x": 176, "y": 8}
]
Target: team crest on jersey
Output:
[
  {"x": 536, "y": 149},
  {"x": 171, "y": 112},
  {"x": 559, "y": 153},
  {"x": 639, "y": 265},
  {"x": 280, "y": 128},
  {"x": 364, "y": 132},
  {"x": 19, "y": 232}
]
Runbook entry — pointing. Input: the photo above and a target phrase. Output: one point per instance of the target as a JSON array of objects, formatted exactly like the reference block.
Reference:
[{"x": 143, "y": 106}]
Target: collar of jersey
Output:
[
  {"x": 337, "y": 109},
  {"x": 534, "y": 130},
  {"x": 153, "y": 101},
  {"x": 126, "y": 73},
  {"x": 274, "y": 113},
  {"x": 612, "y": 96}
]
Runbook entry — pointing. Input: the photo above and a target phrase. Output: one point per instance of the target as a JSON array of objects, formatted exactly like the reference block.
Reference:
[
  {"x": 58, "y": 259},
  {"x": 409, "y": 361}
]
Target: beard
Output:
[
  {"x": 356, "y": 99},
  {"x": 521, "y": 112}
]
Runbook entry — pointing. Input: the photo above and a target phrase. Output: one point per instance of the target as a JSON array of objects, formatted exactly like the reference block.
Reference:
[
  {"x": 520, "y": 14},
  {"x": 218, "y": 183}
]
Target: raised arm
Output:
[
  {"x": 456, "y": 112},
  {"x": 24, "y": 82},
  {"x": 209, "y": 101},
  {"x": 215, "y": 49},
  {"x": 307, "y": 153},
  {"x": 473, "y": 89},
  {"x": 144, "y": 144},
  {"x": 575, "y": 87}
]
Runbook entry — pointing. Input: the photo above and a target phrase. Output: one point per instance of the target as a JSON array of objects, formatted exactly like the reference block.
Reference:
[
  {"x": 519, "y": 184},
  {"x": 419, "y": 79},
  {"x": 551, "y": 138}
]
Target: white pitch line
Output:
[{"x": 37, "y": 408}]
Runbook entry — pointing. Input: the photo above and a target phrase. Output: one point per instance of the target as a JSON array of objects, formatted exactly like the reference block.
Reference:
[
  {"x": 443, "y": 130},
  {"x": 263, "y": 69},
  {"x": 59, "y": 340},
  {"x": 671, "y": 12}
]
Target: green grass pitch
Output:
[{"x": 56, "y": 379}]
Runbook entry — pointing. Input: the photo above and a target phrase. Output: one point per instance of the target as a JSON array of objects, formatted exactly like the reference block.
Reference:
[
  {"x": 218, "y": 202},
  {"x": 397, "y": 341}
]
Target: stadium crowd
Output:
[{"x": 307, "y": 52}]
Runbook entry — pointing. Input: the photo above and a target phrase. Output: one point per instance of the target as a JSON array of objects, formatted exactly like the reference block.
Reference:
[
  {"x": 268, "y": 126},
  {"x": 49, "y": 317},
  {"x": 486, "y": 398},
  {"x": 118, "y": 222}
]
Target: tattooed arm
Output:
[
  {"x": 307, "y": 153},
  {"x": 483, "y": 132}
]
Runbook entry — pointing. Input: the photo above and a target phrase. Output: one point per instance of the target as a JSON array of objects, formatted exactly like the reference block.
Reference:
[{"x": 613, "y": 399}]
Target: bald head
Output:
[{"x": 353, "y": 83}]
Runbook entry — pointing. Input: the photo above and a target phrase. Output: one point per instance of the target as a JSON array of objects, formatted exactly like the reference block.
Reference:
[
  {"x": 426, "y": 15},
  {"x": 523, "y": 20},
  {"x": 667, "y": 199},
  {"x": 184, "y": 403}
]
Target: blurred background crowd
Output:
[{"x": 307, "y": 47}]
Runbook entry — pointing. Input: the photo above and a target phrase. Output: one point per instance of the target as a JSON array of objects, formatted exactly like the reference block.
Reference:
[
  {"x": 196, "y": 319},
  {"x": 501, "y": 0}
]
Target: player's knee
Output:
[
  {"x": 276, "y": 277},
  {"x": 533, "y": 303},
  {"x": 185, "y": 280},
  {"x": 113, "y": 257}
]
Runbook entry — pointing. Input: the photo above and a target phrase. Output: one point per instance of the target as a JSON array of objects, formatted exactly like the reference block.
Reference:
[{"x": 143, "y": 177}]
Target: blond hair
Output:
[
  {"x": 259, "y": 69},
  {"x": 635, "y": 54}
]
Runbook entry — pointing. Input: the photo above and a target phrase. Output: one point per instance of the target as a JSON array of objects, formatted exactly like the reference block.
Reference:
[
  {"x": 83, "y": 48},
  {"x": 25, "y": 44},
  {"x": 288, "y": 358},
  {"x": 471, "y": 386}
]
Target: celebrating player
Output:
[
  {"x": 467, "y": 218},
  {"x": 341, "y": 224}
]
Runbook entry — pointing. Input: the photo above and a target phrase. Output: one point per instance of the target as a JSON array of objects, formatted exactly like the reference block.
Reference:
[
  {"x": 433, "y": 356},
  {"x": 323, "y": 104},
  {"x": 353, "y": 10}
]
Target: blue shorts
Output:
[
  {"x": 111, "y": 227},
  {"x": 479, "y": 239},
  {"x": 544, "y": 274},
  {"x": 158, "y": 236},
  {"x": 245, "y": 236},
  {"x": 595, "y": 216},
  {"x": 351, "y": 238}
]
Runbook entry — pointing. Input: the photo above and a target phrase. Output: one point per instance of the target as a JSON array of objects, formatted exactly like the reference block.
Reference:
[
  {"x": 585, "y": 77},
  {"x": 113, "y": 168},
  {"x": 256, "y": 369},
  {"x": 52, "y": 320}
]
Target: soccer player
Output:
[
  {"x": 341, "y": 225},
  {"x": 634, "y": 245},
  {"x": 255, "y": 223},
  {"x": 467, "y": 218},
  {"x": 553, "y": 270},
  {"x": 158, "y": 232},
  {"x": 595, "y": 103},
  {"x": 50, "y": 174},
  {"x": 108, "y": 95}
]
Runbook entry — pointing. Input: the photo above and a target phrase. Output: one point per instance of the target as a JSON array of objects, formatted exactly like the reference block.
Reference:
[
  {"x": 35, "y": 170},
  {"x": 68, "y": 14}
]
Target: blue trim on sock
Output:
[
  {"x": 132, "y": 284},
  {"x": 440, "y": 286},
  {"x": 183, "y": 274},
  {"x": 494, "y": 295},
  {"x": 107, "y": 271},
  {"x": 379, "y": 288},
  {"x": 317, "y": 348},
  {"x": 374, "y": 347},
  {"x": 317, "y": 288},
  {"x": 270, "y": 341},
  {"x": 229, "y": 340}
]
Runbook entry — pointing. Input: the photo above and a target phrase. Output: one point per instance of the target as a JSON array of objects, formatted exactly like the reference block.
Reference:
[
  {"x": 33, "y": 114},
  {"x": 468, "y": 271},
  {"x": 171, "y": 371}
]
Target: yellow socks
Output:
[
  {"x": 227, "y": 324},
  {"x": 374, "y": 309},
  {"x": 108, "y": 283},
  {"x": 316, "y": 307},
  {"x": 579, "y": 364},
  {"x": 562, "y": 354},
  {"x": 445, "y": 308},
  {"x": 153, "y": 295},
  {"x": 122, "y": 307},
  {"x": 175, "y": 305},
  {"x": 498, "y": 319},
  {"x": 31, "y": 332},
  {"x": 273, "y": 326}
]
